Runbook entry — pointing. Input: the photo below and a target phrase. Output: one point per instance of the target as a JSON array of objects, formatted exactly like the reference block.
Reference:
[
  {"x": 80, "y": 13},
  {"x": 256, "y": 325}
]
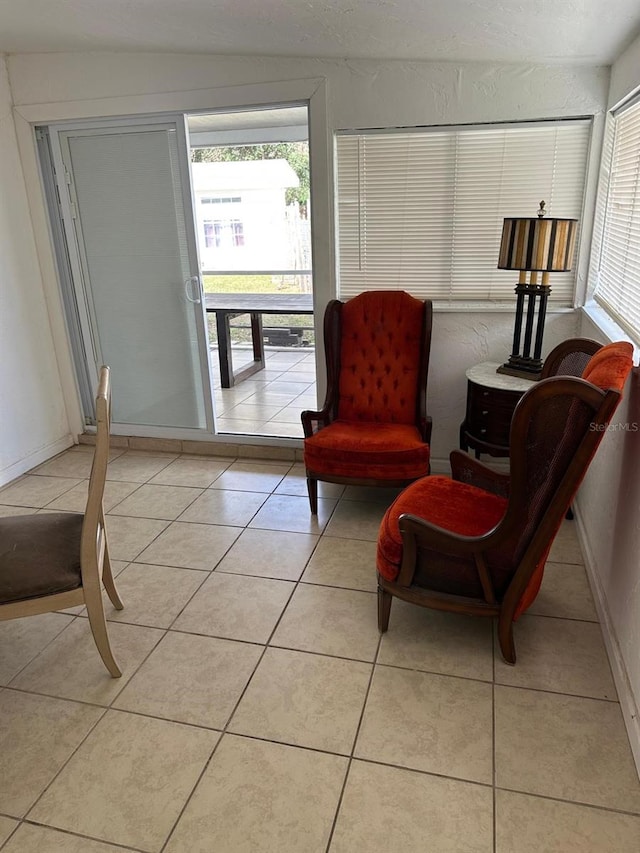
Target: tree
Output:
[{"x": 295, "y": 153}]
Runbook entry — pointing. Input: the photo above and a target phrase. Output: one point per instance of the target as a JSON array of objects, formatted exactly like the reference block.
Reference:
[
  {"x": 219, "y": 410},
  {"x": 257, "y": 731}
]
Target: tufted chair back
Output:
[
  {"x": 373, "y": 429},
  {"x": 380, "y": 354}
]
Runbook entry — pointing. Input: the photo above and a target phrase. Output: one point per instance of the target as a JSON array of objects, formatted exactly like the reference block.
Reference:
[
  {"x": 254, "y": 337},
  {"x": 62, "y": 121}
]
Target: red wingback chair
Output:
[
  {"x": 373, "y": 429},
  {"x": 477, "y": 543}
]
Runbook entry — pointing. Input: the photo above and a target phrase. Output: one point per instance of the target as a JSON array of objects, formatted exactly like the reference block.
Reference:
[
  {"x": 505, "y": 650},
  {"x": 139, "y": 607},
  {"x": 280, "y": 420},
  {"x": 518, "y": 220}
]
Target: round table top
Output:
[{"x": 485, "y": 374}]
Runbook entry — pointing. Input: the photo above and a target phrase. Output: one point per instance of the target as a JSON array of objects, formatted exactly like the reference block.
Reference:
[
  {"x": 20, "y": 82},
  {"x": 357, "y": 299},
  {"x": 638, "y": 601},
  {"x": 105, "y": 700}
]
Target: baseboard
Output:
[
  {"x": 36, "y": 458},
  {"x": 621, "y": 679}
]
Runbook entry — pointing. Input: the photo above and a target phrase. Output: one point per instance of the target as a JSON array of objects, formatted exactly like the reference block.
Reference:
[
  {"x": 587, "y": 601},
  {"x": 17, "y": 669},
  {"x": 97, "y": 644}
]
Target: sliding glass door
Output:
[{"x": 126, "y": 206}]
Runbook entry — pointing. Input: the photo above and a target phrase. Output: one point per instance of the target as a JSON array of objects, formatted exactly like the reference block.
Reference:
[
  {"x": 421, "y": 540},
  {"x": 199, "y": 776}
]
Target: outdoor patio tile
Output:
[
  {"x": 235, "y": 607},
  {"x": 37, "y": 736},
  {"x": 269, "y": 554},
  {"x": 166, "y": 502},
  {"x": 248, "y": 780},
  {"x": 281, "y": 386},
  {"x": 387, "y": 809},
  {"x": 281, "y": 428},
  {"x": 239, "y": 427},
  {"x": 252, "y": 411},
  {"x": 129, "y": 780},
  {"x": 224, "y": 507},
  {"x": 191, "y": 679},
  {"x": 190, "y": 546}
]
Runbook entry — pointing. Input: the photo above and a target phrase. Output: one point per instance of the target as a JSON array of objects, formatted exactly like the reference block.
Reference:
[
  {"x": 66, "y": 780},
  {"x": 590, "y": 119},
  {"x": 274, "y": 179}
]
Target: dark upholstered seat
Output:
[
  {"x": 27, "y": 543},
  {"x": 373, "y": 429},
  {"x": 477, "y": 543},
  {"x": 52, "y": 561}
]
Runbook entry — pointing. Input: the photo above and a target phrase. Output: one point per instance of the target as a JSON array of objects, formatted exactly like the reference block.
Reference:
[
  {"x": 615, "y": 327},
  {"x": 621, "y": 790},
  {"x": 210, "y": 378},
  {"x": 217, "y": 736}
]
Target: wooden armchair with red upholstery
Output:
[
  {"x": 477, "y": 543},
  {"x": 373, "y": 429}
]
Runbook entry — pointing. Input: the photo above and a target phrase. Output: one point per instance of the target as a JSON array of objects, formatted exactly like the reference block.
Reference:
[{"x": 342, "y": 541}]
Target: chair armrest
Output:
[
  {"x": 417, "y": 533},
  {"x": 313, "y": 422},
  {"x": 466, "y": 469}
]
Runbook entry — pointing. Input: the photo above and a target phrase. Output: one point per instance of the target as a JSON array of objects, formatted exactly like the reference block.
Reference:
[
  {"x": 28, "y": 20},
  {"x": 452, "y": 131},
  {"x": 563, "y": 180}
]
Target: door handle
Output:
[{"x": 189, "y": 289}]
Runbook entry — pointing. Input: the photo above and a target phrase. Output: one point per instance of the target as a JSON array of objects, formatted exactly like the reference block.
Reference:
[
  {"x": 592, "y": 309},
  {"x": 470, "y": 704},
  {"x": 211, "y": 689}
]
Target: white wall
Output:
[
  {"x": 608, "y": 505},
  {"x": 359, "y": 94},
  {"x": 33, "y": 421}
]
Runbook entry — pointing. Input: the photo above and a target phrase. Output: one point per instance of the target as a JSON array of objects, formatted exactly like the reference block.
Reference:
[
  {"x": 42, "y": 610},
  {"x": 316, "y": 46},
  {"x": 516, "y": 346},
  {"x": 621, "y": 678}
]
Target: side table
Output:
[{"x": 491, "y": 400}]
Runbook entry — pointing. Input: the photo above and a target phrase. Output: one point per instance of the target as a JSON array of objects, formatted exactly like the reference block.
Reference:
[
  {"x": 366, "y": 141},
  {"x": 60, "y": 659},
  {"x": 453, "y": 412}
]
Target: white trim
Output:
[
  {"x": 43, "y": 454},
  {"x": 607, "y": 325},
  {"x": 627, "y": 700}
]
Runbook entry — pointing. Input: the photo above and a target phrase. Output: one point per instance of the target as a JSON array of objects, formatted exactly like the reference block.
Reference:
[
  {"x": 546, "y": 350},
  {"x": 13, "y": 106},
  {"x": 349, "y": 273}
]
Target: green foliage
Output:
[{"x": 295, "y": 153}]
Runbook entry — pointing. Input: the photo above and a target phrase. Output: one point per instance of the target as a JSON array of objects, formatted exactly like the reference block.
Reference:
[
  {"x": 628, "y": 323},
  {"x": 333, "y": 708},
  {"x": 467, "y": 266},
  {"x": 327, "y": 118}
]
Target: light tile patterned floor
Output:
[
  {"x": 269, "y": 401},
  {"x": 260, "y": 710}
]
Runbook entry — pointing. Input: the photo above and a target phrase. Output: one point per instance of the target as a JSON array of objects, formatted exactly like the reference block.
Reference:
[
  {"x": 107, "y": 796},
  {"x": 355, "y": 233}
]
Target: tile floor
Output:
[
  {"x": 260, "y": 710},
  {"x": 269, "y": 401}
]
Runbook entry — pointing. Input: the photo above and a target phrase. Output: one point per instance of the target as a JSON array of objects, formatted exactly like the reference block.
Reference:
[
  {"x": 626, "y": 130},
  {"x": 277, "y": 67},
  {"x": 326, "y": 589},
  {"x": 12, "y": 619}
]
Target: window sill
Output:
[
  {"x": 481, "y": 307},
  {"x": 607, "y": 326}
]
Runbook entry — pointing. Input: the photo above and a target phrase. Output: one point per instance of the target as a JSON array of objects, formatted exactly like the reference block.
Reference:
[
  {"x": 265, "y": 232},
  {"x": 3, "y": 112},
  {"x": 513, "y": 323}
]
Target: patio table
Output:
[{"x": 228, "y": 305}]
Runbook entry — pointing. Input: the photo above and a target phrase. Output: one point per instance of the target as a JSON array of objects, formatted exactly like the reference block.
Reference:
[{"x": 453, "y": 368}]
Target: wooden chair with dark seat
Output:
[
  {"x": 477, "y": 543},
  {"x": 373, "y": 429},
  {"x": 50, "y": 561}
]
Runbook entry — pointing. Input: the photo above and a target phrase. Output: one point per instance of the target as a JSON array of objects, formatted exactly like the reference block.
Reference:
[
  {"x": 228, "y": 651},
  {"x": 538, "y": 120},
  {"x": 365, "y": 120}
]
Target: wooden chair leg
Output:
[
  {"x": 109, "y": 583},
  {"x": 384, "y": 609},
  {"x": 505, "y": 637},
  {"x": 95, "y": 612},
  {"x": 312, "y": 488}
]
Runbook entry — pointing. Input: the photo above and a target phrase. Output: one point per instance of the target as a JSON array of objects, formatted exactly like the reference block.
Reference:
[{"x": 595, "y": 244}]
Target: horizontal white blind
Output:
[
  {"x": 618, "y": 275},
  {"x": 422, "y": 210}
]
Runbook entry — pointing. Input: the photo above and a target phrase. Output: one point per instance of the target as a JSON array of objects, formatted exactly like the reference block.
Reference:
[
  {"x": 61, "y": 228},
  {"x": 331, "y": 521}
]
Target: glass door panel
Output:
[{"x": 130, "y": 212}]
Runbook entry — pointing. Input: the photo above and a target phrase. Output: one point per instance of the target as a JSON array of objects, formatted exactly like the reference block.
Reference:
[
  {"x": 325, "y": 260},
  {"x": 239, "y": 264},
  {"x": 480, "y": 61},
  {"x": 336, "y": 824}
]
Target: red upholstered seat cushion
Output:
[
  {"x": 458, "y": 507},
  {"x": 380, "y": 451}
]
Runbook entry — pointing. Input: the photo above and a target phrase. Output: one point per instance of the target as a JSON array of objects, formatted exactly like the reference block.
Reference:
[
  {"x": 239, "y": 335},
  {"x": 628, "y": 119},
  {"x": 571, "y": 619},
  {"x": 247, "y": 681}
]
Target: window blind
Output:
[
  {"x": 618, "y": 269},
  {"x": 422, "y": 210}
]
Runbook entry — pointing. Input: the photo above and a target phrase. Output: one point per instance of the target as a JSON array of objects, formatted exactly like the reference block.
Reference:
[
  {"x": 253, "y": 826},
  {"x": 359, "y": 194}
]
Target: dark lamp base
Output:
[{"x": 523, "y": 368}]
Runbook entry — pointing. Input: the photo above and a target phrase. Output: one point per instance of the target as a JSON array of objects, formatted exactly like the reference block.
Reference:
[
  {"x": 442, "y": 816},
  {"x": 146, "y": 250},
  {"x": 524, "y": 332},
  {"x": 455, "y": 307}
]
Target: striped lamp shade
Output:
[{"x": 537, "y": 245}]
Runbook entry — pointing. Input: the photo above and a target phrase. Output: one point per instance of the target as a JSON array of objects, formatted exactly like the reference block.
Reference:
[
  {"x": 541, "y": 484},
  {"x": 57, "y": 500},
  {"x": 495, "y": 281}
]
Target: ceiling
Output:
[{"x": 532, "y": 31}]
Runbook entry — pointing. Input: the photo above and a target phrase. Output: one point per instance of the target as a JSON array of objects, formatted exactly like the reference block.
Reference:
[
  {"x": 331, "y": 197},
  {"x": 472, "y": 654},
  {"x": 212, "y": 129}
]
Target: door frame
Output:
[
  {"x": 72, "y": 226},
  {"x": 311, "y": 90}
]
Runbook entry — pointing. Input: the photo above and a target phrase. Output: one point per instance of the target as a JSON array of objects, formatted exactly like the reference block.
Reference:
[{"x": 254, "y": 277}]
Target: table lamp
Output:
[{"x": 533, "y": 245}]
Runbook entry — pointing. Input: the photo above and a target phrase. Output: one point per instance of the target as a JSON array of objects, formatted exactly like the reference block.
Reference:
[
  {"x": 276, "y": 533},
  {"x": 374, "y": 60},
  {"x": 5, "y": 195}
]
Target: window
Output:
[
  {"x": 422, "y": 209},
  {"x": 615, "y": 261},
  {"x": 223, "y": 233}
]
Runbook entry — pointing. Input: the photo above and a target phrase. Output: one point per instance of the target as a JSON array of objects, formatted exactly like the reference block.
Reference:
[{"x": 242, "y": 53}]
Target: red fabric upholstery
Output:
[
  {"x": 610, "y": 366},
  {"x": 380, "y": 357},
  {"x": 607, "y": 368},
  {"x": 449, "y": 504},
  {"x": 368, "y": 450}
]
